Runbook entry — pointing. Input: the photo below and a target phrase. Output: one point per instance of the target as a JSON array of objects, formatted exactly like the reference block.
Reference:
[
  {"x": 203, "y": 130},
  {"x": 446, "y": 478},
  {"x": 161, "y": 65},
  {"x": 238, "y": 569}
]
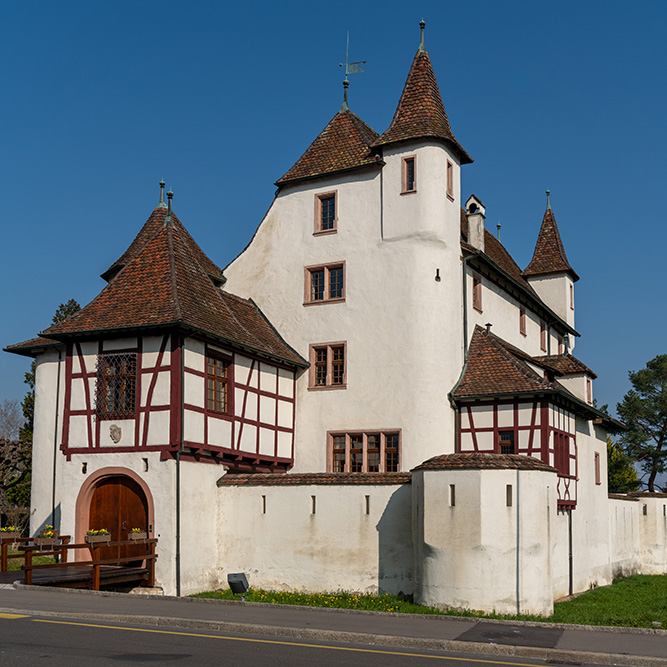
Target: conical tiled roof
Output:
[
  {"x": 420, "y": 113},
  {"x": 345, "y": 143},
  {"x": 165, "y": 284},
  {"x": 146, "y": 233},
  {"x": 549, "y": 256}
]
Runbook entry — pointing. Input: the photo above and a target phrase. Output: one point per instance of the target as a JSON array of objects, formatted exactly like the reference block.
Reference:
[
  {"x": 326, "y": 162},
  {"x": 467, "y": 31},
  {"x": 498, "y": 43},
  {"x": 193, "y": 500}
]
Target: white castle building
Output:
[{"x": 373, "y": 396}]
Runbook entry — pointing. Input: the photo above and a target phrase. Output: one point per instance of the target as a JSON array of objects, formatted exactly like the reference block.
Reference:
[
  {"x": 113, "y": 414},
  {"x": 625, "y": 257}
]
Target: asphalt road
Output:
[{"x": 27, "y": 641}]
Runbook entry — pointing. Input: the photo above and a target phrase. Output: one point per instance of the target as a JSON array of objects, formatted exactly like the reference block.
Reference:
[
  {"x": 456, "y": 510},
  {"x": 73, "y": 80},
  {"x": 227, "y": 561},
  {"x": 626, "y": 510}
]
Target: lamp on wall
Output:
[{"x": 238, "y": 583}]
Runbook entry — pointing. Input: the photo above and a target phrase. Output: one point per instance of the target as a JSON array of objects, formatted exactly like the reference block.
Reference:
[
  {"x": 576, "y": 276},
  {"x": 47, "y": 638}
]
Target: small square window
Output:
[
  {"x": 506, "y": 442},
  {"x": 218, "y": 370},
  {"x": 409, "y": 179},
  {"x": 324, "y": 283},
  {"x": 326, "y": 219},
  {"x": 327, "y": 366}
]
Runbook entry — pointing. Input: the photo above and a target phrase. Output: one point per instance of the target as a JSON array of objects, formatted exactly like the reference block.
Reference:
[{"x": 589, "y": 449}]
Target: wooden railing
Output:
[
  {"x": 95, "y": 560},
  {"x": 6, "y": 542}
]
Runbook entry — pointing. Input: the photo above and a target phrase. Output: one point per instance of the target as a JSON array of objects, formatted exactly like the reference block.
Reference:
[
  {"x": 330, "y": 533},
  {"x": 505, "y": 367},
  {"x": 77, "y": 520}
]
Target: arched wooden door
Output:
[{"x": 119, "y": 504}]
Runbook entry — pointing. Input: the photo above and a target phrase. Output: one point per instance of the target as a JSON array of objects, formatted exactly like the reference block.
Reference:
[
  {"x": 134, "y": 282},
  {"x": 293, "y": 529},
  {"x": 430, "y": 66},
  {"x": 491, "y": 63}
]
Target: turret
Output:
[{"x": 549, "y": 272}]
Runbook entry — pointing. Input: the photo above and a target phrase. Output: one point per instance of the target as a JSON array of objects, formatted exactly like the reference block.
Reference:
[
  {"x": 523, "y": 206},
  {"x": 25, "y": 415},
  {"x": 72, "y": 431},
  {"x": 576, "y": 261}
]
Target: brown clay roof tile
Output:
[
  {"x": 317, "y": 478},
  {"x": 27, "y": 348},
  {"x": 165, "y": 284},
  {"x": 564, "y": 364},
  {"x": 420, "y": 113},
  {"x": 344, "y": 144},
  {"x": 549, "y": 256},
  {"x": 479, "y": 460}
]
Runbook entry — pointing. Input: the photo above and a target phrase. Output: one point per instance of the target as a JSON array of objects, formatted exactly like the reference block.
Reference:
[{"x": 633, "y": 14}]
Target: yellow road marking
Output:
[
  {"x": 14, "y": 616},
  {"x": 282, "y": 643}
]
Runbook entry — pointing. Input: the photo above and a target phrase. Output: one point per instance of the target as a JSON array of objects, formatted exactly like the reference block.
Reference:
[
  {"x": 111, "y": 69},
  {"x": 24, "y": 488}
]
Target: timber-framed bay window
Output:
[
  {"x": 328, "y": 363},
  {"x": 218, "y": 385},
  {"x": 116, "y": 385},
  {"x": 364, "y": 451},
  {"x": 324, "y": 283}
]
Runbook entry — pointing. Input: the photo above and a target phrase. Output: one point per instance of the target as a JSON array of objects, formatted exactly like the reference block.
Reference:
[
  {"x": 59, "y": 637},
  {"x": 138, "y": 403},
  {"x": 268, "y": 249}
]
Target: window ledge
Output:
[
  {"x": 326, "y": 232},
  {"x": 327, "y": 387},
  {"x": 409, "y": 192},
  {"x": 323, "y": 301},
  {"x": 450, "y": 196},
  {"x": 478, "y": 309}
]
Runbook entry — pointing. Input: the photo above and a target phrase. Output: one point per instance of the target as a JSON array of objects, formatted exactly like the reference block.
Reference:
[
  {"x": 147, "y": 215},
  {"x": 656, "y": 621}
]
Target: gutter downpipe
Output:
[
  {"x": 518, "y": 543},
  {"x": 178, "y": 473},
  {"x": 465, "y": 305},
  {"x": 55, "y": 443},
  {"x": 571, "y": 560}
]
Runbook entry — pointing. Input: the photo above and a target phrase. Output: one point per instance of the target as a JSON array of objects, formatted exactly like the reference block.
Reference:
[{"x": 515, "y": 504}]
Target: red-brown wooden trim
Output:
[
  {"x": 151, "y": 388},
  {"x": 68, "y": 395},
  {"x": 86, "y": 393},
  {"x": 175, "y": 390}
]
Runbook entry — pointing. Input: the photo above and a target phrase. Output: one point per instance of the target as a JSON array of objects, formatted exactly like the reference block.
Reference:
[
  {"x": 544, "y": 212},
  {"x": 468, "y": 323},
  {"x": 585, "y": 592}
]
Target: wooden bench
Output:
[{"x": 95, "y": 571}]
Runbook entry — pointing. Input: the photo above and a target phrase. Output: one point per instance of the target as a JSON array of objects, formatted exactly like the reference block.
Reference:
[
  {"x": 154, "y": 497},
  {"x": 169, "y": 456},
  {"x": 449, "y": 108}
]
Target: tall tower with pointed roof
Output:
[{"x": 363, "y": 239}]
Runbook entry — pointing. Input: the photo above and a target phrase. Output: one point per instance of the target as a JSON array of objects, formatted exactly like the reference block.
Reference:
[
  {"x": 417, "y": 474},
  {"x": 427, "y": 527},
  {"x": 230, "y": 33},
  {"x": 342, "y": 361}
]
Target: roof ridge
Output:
[{"x": 172, "y": 271}]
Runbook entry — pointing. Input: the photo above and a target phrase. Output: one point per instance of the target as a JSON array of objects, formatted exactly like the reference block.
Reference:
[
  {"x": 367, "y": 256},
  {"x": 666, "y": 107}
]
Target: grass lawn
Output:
[
  {"x": 633, "y": 602},
  {"x": 14, "y": 564}
]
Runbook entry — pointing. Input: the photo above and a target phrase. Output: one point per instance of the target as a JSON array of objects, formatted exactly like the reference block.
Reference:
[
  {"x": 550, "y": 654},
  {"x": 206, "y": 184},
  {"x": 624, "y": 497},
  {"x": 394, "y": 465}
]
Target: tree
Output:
[
  {"x": 10, "y": 419},
  {"x": 644, "y": 410},
  {"x": 63, "y": 311},
  {"x": 621, "y": 474}
]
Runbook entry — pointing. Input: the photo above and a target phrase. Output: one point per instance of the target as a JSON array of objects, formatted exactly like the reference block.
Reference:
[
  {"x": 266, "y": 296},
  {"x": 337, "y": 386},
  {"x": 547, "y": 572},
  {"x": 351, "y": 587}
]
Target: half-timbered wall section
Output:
[
  {"x": 117, "y": 394},
  {"x": 125, "y": 394},
  {"x": 254, "y": 429},
  {"x": 535, "y": 428}
]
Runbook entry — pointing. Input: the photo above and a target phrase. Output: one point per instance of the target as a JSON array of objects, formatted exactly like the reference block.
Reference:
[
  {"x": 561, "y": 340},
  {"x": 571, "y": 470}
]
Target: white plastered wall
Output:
[
  {"x": 317, "y": 538},
  {"x": 554, "y": 290},
  {"x": 401, "y": 326},
  {"x": 477, "y": 552}
]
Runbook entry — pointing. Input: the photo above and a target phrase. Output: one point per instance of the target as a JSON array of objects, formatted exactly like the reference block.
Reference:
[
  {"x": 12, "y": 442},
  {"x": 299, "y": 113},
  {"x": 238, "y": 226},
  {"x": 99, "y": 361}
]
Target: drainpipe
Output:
[
  {"x": 381, "y": 204},
  {"x": 178, "y": 474},
  {"x": 518, "y": 543},
  {"x": 55, "y": 445},
  {"x": 465, "y": 305},
  {"x": 571, "y": 561}
]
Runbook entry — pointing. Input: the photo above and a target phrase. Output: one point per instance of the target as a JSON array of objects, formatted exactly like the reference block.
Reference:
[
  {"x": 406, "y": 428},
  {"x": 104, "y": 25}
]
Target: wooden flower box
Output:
[
  {"x": 142, "y": 535},
  {"x": 9, "y": 537},
  {"x": 97, "y": 539},
  {"x": 43, "y": 542}
]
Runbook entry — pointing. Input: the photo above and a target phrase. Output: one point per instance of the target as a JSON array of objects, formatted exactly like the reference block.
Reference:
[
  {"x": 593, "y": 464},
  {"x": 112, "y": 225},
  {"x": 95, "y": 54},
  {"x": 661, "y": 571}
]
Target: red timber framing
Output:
[
  {"x": 81, "y": 368},
  {"x": 242, "y": 414},
  {"x": 85, "y": 371},
  {"x": 546, "y": 431}
]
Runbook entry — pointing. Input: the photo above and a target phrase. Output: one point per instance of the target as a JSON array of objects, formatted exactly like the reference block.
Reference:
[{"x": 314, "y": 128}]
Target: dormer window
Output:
[
  {"x": 409, "y": 183},
  {"x": 326, "y": 221}
]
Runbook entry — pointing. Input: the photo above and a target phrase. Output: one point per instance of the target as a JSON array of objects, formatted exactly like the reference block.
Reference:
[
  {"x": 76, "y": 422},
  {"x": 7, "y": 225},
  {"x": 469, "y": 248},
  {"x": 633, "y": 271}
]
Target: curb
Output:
[{"x": 453, "y": 645}]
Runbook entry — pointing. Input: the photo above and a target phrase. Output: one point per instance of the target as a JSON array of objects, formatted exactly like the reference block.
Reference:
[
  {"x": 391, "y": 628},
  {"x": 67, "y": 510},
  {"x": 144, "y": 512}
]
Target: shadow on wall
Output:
[{"x": 395, "y": 551}]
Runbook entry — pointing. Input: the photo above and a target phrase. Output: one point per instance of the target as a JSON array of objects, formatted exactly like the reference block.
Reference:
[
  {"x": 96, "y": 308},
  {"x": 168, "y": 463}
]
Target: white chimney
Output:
[{"x": 475, "y": 211}]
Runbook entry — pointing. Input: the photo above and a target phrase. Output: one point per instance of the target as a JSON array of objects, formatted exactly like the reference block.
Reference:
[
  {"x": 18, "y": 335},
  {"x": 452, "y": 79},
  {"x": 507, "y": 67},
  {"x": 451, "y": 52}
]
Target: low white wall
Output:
[
  {"x": 272, "y": 534},
  {"x": 624, "y": 545},
  {"x": 482, "y": 553},
  {"x": 652, "y": 519}
]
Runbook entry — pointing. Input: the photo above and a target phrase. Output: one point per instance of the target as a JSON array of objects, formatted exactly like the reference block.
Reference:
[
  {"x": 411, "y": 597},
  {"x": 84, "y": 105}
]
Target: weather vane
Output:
[{"x": 351, "y": 68}]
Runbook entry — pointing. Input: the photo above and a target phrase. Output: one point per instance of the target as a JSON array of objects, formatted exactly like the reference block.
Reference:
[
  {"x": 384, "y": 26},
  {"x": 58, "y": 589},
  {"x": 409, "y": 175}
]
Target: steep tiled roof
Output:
[
  {"x": 549, "y": 256},
  {"x": 28, "y": 347},
  {"x": 317, "y": 478},
  {"x": 164, "y": 284},
  {"x": 478, "y": 460},
  {"x": 564, "y": 364},
  {"x": 420, "y": 113},
  {"x": 495, "y": 250},
  {"x": 147, "y": 232},
  {"x": 345, "y": 143},
  {"x": 492, "y": 370}
]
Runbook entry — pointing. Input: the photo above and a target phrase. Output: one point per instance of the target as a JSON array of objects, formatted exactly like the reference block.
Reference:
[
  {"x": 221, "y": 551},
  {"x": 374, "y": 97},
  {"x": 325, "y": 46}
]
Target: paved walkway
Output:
[{"x": 555, "y": 643}]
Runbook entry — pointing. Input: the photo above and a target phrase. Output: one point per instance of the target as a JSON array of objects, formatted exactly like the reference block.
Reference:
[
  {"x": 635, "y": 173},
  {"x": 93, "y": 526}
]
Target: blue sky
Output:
[{"x": 102, "y": 100}]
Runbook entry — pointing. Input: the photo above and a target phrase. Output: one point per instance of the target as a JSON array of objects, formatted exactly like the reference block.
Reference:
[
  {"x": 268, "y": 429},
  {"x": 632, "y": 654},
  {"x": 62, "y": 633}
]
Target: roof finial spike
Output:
[
  {"x": 344, "y": 106},
  {"x": 498, "y": 226},
  {"x": 161, "y": 204},
  {"x": 170, "y": 194},
  {"x": 422, "y": 46},
  {"x": 548, "y": 200}
]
